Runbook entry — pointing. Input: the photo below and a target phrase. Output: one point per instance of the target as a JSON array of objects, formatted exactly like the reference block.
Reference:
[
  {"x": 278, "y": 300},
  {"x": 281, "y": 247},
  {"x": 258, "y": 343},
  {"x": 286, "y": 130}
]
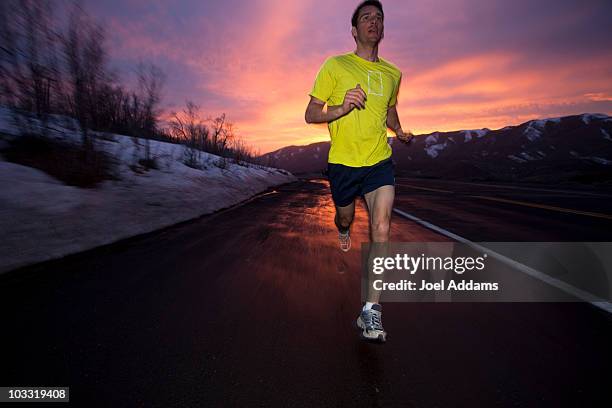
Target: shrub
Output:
[{"x": 71, "y": 163}]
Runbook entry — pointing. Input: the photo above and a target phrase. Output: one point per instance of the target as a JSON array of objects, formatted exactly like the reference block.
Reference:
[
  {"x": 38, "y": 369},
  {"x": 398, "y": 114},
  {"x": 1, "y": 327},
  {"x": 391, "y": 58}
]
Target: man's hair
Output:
[{"x": 363, "y": 4}]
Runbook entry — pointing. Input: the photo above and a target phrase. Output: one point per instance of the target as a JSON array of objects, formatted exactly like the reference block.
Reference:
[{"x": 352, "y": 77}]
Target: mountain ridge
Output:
[{"x": 575, "y": 148}]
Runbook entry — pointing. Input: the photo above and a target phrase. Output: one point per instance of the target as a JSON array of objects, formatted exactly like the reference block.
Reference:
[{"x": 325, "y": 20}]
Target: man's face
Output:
[{"x": 370, "y": 28}]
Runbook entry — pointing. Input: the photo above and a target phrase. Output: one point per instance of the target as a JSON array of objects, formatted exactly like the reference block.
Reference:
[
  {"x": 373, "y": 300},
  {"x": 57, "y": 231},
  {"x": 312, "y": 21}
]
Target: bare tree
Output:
[
  {"x": 222, "y": 134},
  {"x": 47, "y": 68},
  {"x": 150, "y": 83},
  {"x": 188, "y": 128},
  {"x": 28, "y": 57},
  {"x": 86, "y": 58},
  {"x": 241, "y": 152},
  {"x": 41, "y": 56},
  {"x": 10, "y": 54}
]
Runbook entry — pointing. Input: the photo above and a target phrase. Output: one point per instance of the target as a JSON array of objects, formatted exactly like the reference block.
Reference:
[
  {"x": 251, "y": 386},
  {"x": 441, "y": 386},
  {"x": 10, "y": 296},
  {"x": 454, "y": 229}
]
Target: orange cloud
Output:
[
  {"x": 258, "y": 65},
  {"x": 598, "y": 96},
  {"x": 495, "y": 90}
]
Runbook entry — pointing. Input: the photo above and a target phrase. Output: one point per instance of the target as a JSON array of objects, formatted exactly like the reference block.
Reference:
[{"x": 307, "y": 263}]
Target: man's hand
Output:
[
  {"x": 354, "y": 98},
  {"x": 405, "y": 137}
]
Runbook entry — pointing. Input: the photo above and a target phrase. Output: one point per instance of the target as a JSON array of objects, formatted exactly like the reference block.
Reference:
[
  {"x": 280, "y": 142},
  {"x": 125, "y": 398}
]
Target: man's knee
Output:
[{"x": 381, "y": 226}]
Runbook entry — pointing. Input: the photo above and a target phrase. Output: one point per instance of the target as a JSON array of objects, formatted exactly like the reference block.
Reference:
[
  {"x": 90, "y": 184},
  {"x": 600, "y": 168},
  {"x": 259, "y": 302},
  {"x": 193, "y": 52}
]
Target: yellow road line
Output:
[
  {"x": 522, "y": 188},
  {"x": 546, "y": 207},
  {"x": 423, "y": 188}
]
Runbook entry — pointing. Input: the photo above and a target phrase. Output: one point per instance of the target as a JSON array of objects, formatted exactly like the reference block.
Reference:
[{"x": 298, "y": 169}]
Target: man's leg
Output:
[
  {"x": 343, "y": 219},
  {"x": 380, "y": 205},
  {"x": 344, "y": 188}
]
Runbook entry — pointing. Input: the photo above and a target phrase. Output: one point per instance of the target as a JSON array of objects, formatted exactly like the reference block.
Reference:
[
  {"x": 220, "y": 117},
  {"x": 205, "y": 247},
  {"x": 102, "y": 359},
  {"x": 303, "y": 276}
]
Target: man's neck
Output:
[{"x": 366, "y": 52}]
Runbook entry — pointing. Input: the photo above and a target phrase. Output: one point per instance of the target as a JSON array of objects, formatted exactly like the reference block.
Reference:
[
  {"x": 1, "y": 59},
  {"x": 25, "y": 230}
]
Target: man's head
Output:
[{"x": 367, "y": 22}]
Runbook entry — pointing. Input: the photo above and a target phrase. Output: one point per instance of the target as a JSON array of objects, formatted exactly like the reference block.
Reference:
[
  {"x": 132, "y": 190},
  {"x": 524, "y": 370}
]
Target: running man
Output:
[{"x": 360, "y": 90}]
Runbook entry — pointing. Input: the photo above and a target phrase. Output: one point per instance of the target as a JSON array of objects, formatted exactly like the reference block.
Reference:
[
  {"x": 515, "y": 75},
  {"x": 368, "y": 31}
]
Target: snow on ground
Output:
[
  {"x": 588, "y": 117},
  {"x": 541, "y": 123},
  {"x": 606, "y": 134},
  {"x": 533, "y": 130},
  {"x": 516, "y": 159},
  {"x": 527, "y": 156},
  {"x": 595, "y": 159},
  {"x": 42, "y": 218},
  {"x": 433, "y": 138},
  {"x": 478, "y": 132},
  {"x": 434, "y": 150},
  {"x": 599, "y": 160},
  {"x": 535, "y": 127}
]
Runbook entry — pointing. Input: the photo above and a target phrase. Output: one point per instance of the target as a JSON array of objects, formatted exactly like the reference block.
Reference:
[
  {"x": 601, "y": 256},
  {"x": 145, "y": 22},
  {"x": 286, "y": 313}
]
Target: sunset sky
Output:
[{"x": 466, "y": 64}]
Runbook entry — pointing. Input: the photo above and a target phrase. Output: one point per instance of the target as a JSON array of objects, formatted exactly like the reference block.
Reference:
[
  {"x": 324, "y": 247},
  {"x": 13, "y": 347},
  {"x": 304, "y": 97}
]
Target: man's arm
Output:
[
  {"x": 354, "y": 98},
  {"x": 316, "y": 114},
  {"x": 393, "y": 123}
]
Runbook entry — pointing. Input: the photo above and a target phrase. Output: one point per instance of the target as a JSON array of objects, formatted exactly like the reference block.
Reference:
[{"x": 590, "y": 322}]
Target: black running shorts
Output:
[{"x": 349, "y": 182}]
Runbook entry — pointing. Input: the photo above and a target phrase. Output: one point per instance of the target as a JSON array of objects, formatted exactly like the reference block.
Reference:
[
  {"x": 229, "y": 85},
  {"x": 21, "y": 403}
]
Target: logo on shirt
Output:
[{"x": 375, "y": 83}]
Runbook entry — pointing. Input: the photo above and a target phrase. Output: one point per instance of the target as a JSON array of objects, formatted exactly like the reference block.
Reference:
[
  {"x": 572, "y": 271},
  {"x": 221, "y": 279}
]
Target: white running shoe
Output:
[
  {"x": 345, "y": 240},
  {"x": 370, "y": 322}
]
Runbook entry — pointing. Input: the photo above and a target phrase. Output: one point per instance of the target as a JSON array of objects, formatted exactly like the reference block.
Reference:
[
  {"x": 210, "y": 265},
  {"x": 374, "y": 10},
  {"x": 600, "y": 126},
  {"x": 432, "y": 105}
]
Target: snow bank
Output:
[{"x": 42, "y": 218}]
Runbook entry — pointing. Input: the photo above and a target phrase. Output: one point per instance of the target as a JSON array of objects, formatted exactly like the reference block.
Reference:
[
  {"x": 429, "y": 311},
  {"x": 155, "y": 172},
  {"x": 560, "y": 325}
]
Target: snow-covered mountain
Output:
[{"x": 571, "y": 148}]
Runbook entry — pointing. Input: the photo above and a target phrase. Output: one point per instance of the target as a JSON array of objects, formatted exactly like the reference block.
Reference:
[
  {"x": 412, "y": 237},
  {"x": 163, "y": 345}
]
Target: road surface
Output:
[{"x": 254, "y": 306}]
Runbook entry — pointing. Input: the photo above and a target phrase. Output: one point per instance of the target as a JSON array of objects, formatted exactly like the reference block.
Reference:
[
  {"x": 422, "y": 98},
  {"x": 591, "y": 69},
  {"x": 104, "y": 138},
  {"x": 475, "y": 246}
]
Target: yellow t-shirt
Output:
[{"x": 358, "y": 138}]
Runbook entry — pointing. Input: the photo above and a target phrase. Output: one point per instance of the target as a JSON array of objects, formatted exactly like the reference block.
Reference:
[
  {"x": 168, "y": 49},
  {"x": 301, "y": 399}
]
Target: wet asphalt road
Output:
[
  {"x": 507, "y": 212},
  {"x": 254, "y": 306}
]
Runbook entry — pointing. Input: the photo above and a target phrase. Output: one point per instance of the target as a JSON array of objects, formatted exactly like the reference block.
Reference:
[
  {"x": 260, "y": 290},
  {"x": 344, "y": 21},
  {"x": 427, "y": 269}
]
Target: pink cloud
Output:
[{"x": 466, "y": 63}]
